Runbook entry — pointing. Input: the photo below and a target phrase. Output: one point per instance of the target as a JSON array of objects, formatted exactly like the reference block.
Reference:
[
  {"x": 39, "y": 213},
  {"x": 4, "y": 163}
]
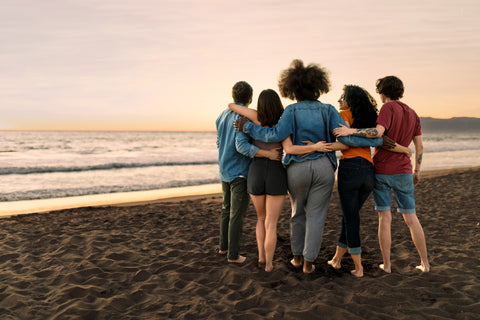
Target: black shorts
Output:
[{"x": 266, "y": 176}]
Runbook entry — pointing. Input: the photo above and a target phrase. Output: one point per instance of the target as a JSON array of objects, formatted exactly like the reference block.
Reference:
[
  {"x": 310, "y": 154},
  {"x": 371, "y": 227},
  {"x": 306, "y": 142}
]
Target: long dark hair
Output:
[
  {"x": 363, "y": 106},
  {"x": 269, "y": 108}
]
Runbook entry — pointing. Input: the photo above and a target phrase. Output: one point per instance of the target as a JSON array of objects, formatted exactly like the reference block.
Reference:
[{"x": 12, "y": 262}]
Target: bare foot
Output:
[
  {"x": 334, "y": 264},
  {"x": 423, "y": 268},
  {"x": 296, "y": 262},
  {"x": 356, "y": 273},
  {"x": 269, "y": 267},
  {"x": 308, "y": 267},
  {"x": 387, "y": 270},
  {"x": 240, "y": 259},
  {"x": 222, "y": 251},
  {"x": 261, "y": 264}
]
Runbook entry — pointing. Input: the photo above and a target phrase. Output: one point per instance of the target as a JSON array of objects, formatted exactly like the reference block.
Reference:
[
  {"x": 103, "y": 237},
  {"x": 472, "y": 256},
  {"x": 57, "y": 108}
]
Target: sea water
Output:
[{"x": 50, "y": 164}]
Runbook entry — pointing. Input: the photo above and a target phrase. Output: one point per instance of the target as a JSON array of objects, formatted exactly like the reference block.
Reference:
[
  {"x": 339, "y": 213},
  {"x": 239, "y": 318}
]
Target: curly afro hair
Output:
[{"x": 303, "y": 83}]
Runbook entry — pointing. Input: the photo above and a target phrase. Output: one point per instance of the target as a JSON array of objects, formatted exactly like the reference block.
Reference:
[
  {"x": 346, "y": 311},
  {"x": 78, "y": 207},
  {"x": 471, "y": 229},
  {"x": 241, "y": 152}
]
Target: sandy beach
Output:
[{"x": 157, "y": 260}]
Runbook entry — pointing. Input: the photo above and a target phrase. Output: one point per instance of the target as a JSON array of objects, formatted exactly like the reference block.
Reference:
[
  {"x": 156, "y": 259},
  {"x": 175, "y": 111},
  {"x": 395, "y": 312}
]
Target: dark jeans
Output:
[
  {"x": 356, "y": 179},
  {"x": 234, "y": 210}
]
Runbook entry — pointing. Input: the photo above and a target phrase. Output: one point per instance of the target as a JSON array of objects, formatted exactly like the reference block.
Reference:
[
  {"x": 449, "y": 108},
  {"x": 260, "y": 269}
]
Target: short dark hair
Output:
[
  {"x": 242, "y": 92},
  {"x": 303, "y": 83},
  {"x": 391, "y": 87},
  {"x": 269, "y": 108}
]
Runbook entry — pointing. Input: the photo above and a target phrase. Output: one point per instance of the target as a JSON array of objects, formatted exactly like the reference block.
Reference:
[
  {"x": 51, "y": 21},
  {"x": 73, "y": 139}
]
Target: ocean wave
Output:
[
  {"x": 107, "y": 166},
  {"x": 72, "y": 192}
]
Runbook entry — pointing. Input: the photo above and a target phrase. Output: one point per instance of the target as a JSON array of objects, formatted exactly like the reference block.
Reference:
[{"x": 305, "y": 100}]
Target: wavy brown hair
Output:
[
  {"x": 362, "y": 105},
  {"x": 269, "y": 108},
  {"x": 303, "y": 83},
  {"x": 391, "y": 87}
]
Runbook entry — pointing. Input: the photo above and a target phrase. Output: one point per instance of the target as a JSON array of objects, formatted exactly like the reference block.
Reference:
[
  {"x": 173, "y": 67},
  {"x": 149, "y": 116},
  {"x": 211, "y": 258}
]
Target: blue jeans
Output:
[
  {"x": 234, "y": 210},
  {"x": 356, "y": 179},
  {"x": 310, "y": 184}
]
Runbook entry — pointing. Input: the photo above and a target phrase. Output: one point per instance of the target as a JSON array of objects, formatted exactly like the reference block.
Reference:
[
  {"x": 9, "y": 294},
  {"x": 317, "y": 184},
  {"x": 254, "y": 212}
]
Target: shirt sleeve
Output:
[
  {"x": 243, "y": 145},
  {"x": 385, "y": 117},
  {"x": 281, "y": 131}
]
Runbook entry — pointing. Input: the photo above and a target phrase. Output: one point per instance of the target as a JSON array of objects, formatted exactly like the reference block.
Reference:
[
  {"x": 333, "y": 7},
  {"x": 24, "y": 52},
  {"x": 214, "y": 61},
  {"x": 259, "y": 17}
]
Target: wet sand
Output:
[{"x": 157, "y": 260}]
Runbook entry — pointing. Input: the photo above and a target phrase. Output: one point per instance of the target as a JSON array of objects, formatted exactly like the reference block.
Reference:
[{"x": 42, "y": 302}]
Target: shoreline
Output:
[{"x": 12, "y": 208}]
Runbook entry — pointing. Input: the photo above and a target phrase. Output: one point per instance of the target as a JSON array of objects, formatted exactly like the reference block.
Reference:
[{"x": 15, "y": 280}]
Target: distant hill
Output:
[{"x": 452, "y": 124}]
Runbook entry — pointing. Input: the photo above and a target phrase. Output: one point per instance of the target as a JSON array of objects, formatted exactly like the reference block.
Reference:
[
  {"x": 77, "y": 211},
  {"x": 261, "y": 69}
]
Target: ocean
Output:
[{"x": 50, "y": 164}]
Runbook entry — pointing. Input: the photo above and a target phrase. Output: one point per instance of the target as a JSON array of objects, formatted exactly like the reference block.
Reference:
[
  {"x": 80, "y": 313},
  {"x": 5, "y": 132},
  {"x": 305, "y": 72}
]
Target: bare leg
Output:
[
  {"x": 336, "y": 261},
  {"x": 385, "y": 238},
  {"x": 418, "y": 238},
  {"x": 274, "y": 205},
  {"x": 357, "y": 260},
  {"x": 260, "y": 207}
]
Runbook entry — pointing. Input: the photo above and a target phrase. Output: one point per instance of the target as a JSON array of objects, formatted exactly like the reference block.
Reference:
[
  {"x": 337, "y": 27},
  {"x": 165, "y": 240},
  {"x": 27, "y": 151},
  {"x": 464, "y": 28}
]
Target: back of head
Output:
[
  {"x": 269, "y": 108},
  {"x": 362, "y": 105},
  {"x": 303, "y": 83},
  {"x": 391, "y": 87},
  {"x": 242, "y": 92}
]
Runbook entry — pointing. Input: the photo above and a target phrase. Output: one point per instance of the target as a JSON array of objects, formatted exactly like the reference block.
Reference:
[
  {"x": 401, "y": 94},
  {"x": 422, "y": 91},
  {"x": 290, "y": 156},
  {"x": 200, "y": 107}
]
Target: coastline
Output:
[{"x": 12, "y": 208}]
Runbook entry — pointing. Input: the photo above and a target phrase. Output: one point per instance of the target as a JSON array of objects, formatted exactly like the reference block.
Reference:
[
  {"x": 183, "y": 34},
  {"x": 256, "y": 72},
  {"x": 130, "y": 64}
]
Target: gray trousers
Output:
[{"x": 310, "y": 185}]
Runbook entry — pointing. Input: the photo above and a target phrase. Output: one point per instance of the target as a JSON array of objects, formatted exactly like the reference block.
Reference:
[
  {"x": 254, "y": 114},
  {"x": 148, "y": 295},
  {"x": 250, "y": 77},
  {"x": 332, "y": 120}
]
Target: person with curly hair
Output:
[
  {"x": 310, "y": 177},
  {"x": 267, "y": 179},
  {"x": 393, "y": 171},
  {"x": 356, "y": 174}
]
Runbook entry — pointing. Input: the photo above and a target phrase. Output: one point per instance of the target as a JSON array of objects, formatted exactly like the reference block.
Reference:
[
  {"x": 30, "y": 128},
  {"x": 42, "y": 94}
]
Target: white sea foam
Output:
[{"x": 37, "y": 165}]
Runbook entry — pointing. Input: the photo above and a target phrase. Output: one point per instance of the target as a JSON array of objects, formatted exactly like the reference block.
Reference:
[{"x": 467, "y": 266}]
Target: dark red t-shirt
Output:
[{"x": 401, "y": 124}]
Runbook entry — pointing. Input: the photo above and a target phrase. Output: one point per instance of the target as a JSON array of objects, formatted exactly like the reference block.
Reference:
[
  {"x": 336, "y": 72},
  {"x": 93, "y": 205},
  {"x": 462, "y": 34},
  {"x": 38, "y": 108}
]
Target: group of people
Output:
[{"x": 250, "y": 162}]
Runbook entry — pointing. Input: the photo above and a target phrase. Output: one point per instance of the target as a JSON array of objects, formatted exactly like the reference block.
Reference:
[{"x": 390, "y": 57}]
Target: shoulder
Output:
[{"x": 346, "y": 114}]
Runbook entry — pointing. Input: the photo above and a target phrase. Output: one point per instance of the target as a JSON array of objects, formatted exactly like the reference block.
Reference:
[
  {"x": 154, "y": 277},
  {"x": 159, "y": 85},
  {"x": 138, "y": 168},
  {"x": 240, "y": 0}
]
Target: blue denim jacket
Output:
[
  {"x": 235, "y": 151},
  {"x": 309, "y": 120}
]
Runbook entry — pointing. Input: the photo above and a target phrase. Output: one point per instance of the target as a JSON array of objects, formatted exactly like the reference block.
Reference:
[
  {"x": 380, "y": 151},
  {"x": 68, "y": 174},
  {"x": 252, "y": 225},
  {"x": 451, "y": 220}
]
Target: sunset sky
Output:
[{"x": 170, "y": 64}]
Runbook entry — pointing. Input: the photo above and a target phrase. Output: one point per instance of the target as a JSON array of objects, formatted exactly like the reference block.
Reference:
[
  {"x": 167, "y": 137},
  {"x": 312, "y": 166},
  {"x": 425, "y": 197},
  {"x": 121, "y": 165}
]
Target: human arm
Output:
[
  {"x": 251, "y": 114},
  {"x": 272, "y": 154},
  {"x": 344, "y": 131},
  {"x": 337, "y": 121},
  {"x": 391, "y": 145},
  {"x": 310, "y": 147},
  {"x": 243, "y": 145},
  {"x": 280, "y": 132},
  {"x": 418, "y": 143}
]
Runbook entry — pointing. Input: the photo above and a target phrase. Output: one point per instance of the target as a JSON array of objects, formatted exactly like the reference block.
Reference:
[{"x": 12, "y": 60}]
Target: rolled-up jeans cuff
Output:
[{"x": 357, "y": 250}]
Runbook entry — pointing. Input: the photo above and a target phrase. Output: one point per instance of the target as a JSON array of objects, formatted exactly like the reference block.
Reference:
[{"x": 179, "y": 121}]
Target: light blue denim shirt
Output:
[
  {"x": 308, "y": 120},
  {"x": 235, "y": 151}
]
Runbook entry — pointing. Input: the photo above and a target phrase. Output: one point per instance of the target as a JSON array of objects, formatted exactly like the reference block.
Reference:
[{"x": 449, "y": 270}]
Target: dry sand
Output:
[{"x": 158, "y": 261}]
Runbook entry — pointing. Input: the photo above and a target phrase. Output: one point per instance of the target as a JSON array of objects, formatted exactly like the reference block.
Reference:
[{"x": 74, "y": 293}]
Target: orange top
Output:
[{"x": 353, "y": 152}]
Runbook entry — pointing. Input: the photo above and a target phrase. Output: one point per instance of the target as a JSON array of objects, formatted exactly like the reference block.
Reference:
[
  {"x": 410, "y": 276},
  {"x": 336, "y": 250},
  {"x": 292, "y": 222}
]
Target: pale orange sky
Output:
[{"x": 170, "y": 64}]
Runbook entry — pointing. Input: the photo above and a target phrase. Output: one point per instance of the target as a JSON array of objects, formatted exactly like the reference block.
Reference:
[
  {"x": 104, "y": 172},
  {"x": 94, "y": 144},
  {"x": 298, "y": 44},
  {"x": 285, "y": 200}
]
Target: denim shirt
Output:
[
  {"x": 235, "y": 150},
  {"x": 308, "y": 120}
]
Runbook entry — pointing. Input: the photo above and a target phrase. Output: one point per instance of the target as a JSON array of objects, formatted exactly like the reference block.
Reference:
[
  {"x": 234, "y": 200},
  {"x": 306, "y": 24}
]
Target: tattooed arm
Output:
[
  {"x": 344, "y": 131},
  {"x": 417, "y": 141}
]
